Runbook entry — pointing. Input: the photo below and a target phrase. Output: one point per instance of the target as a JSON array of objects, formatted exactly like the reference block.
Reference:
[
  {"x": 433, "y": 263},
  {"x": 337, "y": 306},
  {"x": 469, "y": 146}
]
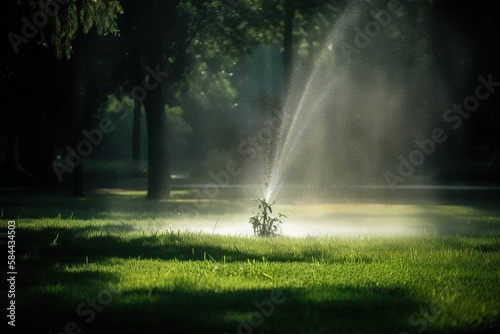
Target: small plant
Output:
[{"x": 264, "y": 224}]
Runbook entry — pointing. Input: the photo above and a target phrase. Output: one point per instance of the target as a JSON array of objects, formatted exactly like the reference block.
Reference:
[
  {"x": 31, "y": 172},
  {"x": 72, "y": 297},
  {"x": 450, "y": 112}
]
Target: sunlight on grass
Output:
[
  {"x": 170, "y": 269},
  {"x": 371, "y": 265}
]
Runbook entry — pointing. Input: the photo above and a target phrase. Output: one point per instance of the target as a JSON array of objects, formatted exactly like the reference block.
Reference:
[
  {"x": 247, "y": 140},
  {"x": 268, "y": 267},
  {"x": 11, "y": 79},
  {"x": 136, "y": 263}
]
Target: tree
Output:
[
  {"x": 50, "y": 79},
  {"x": 157, "y": 20},
  {"x": 162, "y": 41}
]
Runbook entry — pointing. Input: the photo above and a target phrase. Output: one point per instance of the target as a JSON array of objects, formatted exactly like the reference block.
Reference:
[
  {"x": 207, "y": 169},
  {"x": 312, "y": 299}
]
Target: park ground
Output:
[{"x": 114, "y": 262}]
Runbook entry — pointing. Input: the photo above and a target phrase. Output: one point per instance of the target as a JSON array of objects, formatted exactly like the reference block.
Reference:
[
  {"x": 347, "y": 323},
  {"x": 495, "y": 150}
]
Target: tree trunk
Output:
[
  {"x": 158, "y": 157},
  {"x": 155, "y": 21},
  {"x": 136, "y": 132}
]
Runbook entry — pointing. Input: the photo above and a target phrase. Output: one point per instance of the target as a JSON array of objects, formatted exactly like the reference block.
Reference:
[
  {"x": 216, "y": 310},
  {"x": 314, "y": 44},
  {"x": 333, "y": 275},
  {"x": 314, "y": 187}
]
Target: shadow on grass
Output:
[
  {"x": 74, "y": 245},
  {"x": 123, "y": 240},
  {"x": 339, "y": 310},
  {"x": 328, "y": 309}
]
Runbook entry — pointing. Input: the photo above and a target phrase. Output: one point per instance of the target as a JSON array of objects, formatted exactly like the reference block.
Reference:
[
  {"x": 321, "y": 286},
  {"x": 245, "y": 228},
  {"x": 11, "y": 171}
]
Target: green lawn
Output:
[{"x": 96, "y": 265}]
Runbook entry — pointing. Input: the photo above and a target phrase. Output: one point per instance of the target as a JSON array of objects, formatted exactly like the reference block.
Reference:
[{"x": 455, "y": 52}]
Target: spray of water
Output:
[
  {"x": 320, "y": 83},
  {"x": 350, "y": 119}
]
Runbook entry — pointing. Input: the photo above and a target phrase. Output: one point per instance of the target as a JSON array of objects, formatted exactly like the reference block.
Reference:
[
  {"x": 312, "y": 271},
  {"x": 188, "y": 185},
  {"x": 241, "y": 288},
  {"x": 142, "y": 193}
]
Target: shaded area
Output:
[
  {"x": 362, "y": 307},
  {"x": 184, "y": 311},
  {"x": 73, "y": 246}
]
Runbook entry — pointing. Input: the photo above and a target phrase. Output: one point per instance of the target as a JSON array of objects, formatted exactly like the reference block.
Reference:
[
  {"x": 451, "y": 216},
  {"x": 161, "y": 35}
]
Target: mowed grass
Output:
[{"x": 101, "y": 275}]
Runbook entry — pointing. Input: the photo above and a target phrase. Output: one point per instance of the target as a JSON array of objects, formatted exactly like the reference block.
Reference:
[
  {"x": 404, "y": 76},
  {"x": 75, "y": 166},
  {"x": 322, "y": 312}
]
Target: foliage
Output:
[
  {"x": 263, "y": 222},
  {"x": 118, "y": 110},
  {"x": 215, "y": 36},
  {"x": 77, "y": 17}
]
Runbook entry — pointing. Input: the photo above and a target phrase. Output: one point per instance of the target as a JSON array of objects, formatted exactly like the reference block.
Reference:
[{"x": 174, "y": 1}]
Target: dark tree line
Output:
[
  {"x": 52, "y": 93},
  {"x": 63, "y": 71}
]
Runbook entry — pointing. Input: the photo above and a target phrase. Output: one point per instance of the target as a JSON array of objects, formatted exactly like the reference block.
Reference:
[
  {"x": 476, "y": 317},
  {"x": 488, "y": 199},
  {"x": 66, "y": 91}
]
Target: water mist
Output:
[{"x": 363, "y": 102}]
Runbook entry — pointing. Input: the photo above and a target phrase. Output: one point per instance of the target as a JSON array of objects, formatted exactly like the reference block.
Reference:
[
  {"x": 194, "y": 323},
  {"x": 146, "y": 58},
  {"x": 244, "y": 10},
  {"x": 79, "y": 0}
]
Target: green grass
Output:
[{"x": 166, "y": 281}]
